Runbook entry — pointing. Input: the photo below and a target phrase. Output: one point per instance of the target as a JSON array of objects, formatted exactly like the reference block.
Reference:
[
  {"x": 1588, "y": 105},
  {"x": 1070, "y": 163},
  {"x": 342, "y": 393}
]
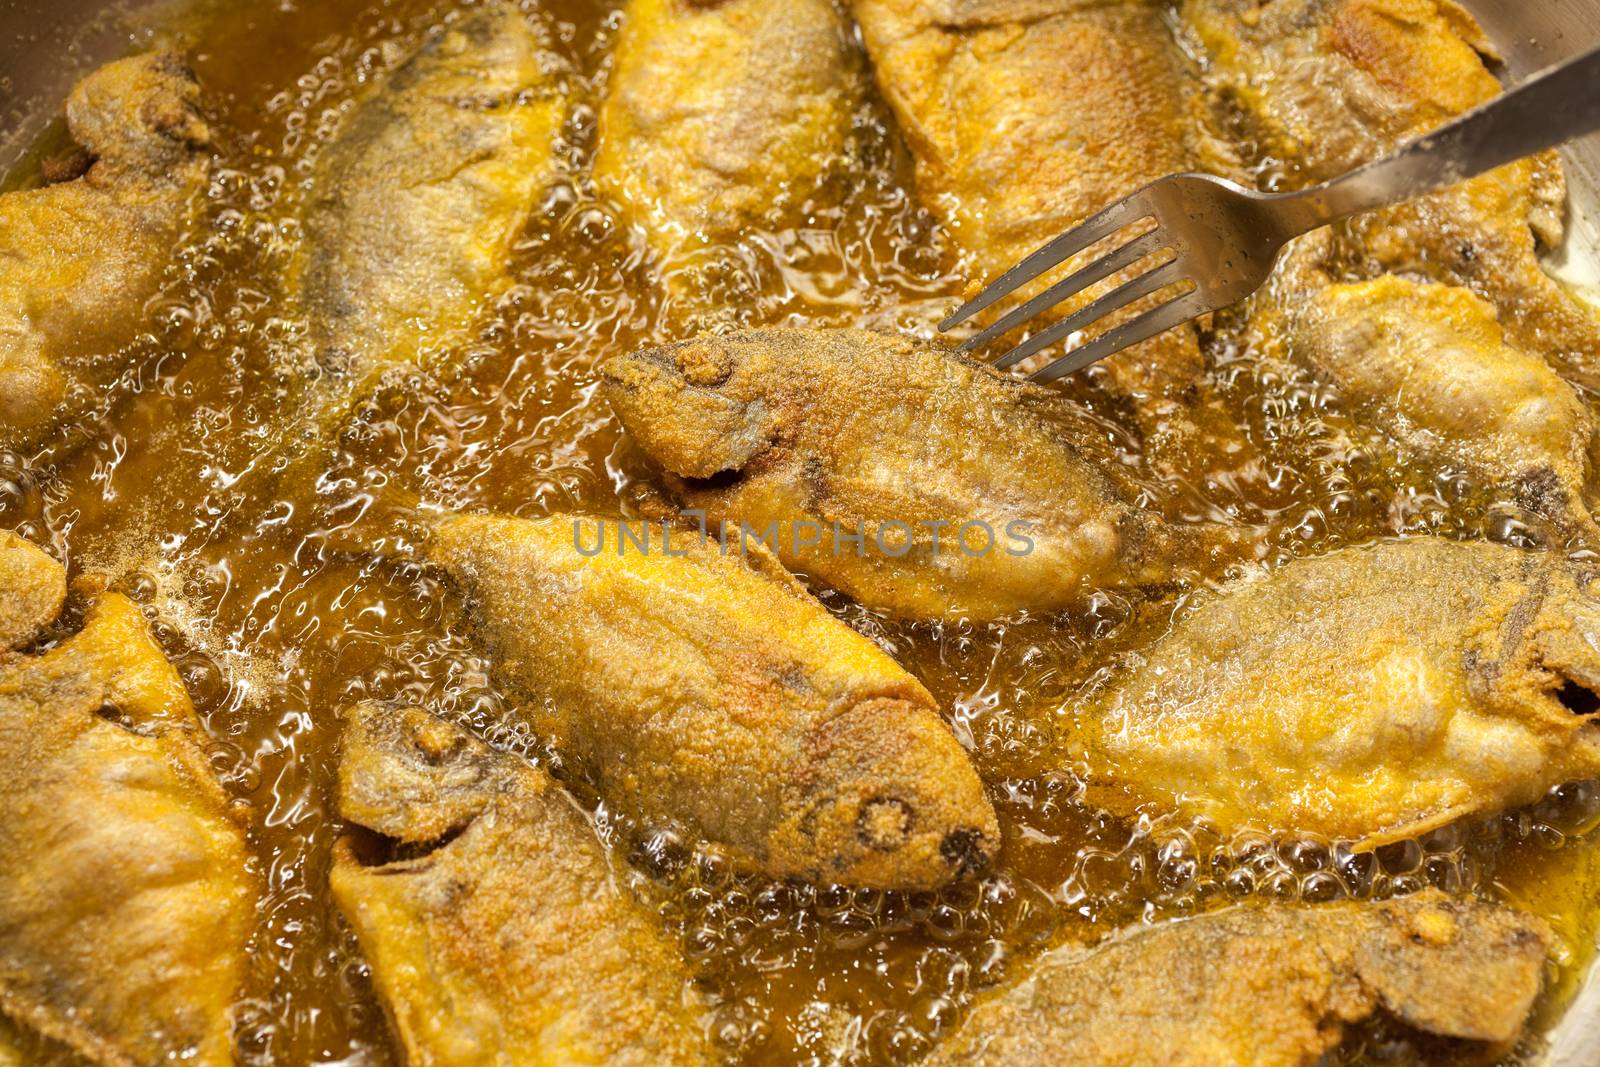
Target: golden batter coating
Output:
[
  {"x": 868, "y": 430},
  {"x": 1270, "y": 986},
  {"x": 417, "y": 200},
  {"x": 723, "y": 115},
  {"x": 1372, "y": 694},
  {"x": 1027, "y": 116},
  {"x": 33, "y": 588},
  {"x": 1326, "y": 85},
  {"x": 78, "y": 259},
  {"x": 125, "y": 899},
  {"x": 497, "y": 932},
  {"x": 1429, "y": 365},
  {"x": 710, "y": 690}
]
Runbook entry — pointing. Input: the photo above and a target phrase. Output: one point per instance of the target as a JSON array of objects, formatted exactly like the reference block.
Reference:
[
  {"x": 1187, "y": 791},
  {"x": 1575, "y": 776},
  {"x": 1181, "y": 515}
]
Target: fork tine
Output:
[
  {"x": 1096, "y": 227},
  {"x": 1070, "y": 286},
  {"x": 1121, "y": 296},
  {"x": 1157, "y": 320}
]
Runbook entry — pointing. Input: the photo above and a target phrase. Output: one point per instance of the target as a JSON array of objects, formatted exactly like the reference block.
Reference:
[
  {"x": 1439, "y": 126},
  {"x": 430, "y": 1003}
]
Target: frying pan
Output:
[{"x": 45, "y": 45}]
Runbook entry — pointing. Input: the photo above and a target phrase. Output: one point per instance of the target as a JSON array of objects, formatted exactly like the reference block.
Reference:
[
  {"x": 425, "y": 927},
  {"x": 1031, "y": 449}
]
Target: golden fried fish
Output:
[
  {"x": 407, "y": 233},
  {"x": 709, "y": 690},
  {"x": 970, "y": 493},
  {"x": 1326, "y": 85},
  {"x": 125, "y": 897},
  {"x": 722, "y": 115},
  {"x": 78, "y": 259},
  {"x": 1269, "y": 986},
  {"x": 1370, "y": 694},
  {"x": 495, "y": 927},
  {"x": 418, "y": 198},
  {"x": 1429, "y": 365},
  {"x": 1027, "y": 116}
]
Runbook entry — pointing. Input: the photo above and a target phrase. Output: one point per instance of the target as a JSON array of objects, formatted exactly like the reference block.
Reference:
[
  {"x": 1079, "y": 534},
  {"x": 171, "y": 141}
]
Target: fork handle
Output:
[{"x": 1554, "y": 106}]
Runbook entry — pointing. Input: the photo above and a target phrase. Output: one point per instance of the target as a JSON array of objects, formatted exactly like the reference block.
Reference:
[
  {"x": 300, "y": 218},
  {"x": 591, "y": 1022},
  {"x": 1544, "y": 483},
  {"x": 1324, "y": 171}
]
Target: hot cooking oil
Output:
[{"x": 277, "y": 624}]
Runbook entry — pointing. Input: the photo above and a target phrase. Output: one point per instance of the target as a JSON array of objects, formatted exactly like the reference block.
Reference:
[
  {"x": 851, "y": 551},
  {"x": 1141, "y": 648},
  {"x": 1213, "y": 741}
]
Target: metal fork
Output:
[{"x": 1222, "y": 239}]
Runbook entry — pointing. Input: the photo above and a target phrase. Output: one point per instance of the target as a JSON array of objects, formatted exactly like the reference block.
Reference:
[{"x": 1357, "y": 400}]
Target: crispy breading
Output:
[
  {"x": 418, "y": 198},
  {"x": 711, "y": 691},
  {"x": 722, "y": 116},
  {"x": 868, "y": 430},
  {"x": 1027, "y": 117},
  {"x": 1430, "y": 366},
  {"x": 33, "y": 587},
  {"x": 126, "y": 901},
  {"x": 1270, "y": 986},
  {"x": 78, "y": 259},
  {"x": 1371, "y": 694},
  {"x": 500, "y": 934}
]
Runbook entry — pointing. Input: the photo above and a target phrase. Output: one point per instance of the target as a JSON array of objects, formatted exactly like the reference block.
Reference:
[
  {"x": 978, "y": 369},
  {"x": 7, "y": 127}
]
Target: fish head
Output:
[
  {"x": 141, "y": 110},
  {"x": 892, "y": 801},
  {"x": 1538, "y": 669},
  {"x": 410, "y": 775},
  {"x": 695, "y": 407},
  {"x": 1563, "y": 646}
]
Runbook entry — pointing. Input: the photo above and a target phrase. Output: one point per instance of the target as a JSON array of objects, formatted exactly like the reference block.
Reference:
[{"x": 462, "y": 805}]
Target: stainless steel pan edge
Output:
[
  {"x": 46, "y": 44},
  {"x": 1533, "y": 34}
]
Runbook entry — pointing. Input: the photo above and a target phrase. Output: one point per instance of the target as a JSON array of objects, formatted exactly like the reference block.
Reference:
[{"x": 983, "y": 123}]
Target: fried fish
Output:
[
  {"x": 1326, "y": 85},
  {"x": 406, "y": 235},
  {"x": 1429, "y": 365},
  {"x": 710, "y": 690},
  {"x": 1027, "y": 116},
  {"x": 78, "y": 259},
  {"x": 1271, "y": 986},
  {"x": 720, "y": 116},
  {"x": 969, "y": 493},
  {"x": 415, "y": 203},
  {"x": 497, "y": 931},
  {"x": 126, "y": 900},
  {"x": 1371, "y": 694}
]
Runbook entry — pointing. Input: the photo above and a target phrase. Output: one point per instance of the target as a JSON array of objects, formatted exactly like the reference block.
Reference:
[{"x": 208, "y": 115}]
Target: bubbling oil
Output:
[{"x": 278, "y": 622}]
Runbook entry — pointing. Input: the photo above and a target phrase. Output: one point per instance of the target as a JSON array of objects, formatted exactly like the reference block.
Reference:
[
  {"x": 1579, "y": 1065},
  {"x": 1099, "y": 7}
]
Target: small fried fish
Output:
[
  {"x": 126, "y": 901},
  {"x": 78, "y": 259},
  {"x": 1025, "y": 117},
  {"x": 724, "y": 115},
  {"x": 1323, "y": 86},
  {"x": 406, "y": 237},
  {"x": 1269, "y": 986},
  {"x": 971, "y": 493},
  {"x": 1429, "y": 366},
  {"x": 711, "y": 691},
  {"x": 1371, "y": 694},
  {"x": 416, "y": 201},
  {"x": 498, "y": 932}
]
